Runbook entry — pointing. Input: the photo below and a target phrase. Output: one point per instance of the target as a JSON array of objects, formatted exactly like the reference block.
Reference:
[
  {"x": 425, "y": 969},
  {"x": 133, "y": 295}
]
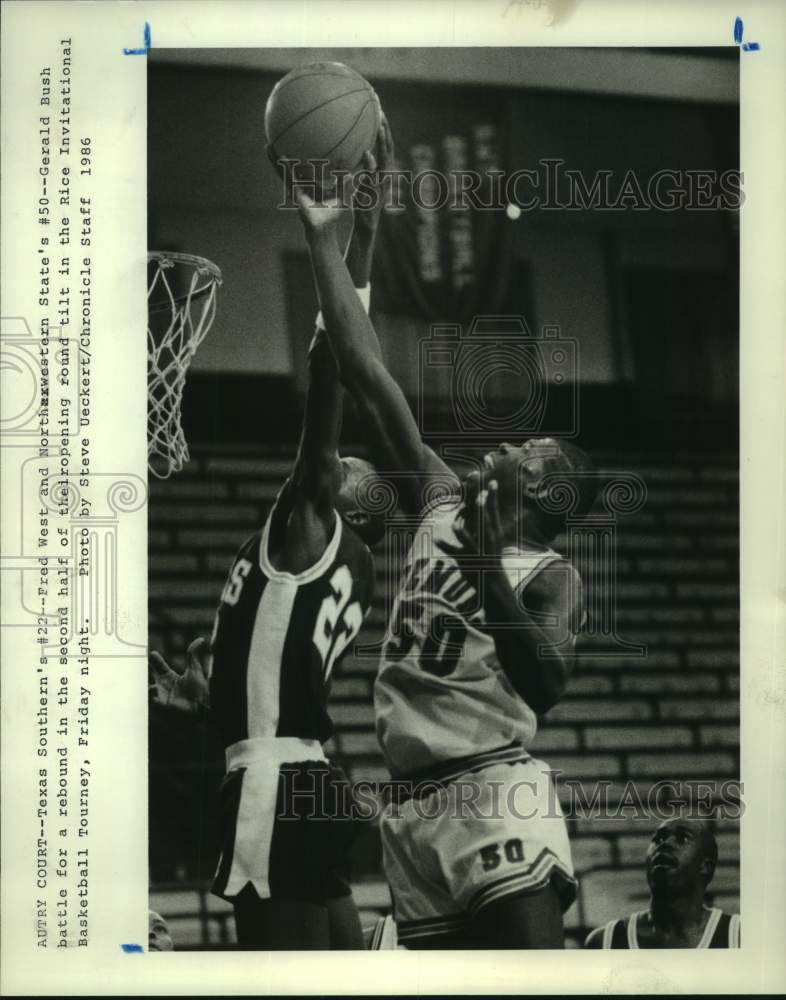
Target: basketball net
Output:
[{"x": 181, "y": 304}]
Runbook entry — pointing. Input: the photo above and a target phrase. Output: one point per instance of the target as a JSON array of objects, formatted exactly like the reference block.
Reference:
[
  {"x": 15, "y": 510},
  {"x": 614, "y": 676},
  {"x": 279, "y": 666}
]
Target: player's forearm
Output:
[
  {"x": 317, "y": 456},
  {"x": 360, "y": 253},
  {"x": 352, "y": 336},
  {"x": 519, "y": 640},
  {"x": 359, "y": 258},
  {"x": 393, "y": 435}
]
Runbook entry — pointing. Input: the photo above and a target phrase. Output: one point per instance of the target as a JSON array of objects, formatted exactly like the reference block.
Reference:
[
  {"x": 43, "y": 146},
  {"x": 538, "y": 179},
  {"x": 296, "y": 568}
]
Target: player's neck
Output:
[
  {"x": 526, "y": 530},
  {"x": 677, "y": 912}
]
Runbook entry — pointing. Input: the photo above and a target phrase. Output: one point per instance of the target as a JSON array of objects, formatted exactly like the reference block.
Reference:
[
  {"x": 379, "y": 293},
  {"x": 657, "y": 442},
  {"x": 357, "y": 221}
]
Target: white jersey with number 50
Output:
[{"x": 441, "y": 692}]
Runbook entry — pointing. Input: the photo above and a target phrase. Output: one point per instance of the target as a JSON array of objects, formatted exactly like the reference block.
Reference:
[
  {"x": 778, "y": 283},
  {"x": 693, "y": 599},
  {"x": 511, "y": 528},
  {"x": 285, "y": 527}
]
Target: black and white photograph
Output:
[{"x": 444, "y": 537}]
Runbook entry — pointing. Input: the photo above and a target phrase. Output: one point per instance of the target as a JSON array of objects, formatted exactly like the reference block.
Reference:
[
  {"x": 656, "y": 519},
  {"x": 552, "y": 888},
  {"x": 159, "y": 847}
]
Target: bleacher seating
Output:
[{"x": 670, "y": 714}]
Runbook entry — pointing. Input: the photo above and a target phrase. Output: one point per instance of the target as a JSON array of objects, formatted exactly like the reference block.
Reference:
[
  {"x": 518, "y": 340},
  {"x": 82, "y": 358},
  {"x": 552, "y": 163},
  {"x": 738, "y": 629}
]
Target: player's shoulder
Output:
[
  {"x": 350, "y": 541},
  {"x": 354, "y": 551},
  {"x": 612, "y": 934},
  {"x": 735, "y": 930},
  {"x": 595, "y": 938},
  {"x": 444, "y": 506},
  {"x": 546, "y": 574},
  {"x": 249, "y": 548},
  {"x": 557, "y": 574},
  {"x": 437, "y": 522},
  {"x": 727, "y": 931}
]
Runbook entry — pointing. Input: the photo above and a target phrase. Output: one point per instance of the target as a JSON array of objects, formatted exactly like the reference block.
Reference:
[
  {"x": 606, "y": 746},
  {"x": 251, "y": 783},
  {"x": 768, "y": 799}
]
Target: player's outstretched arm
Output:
[
  {"x": 392, "y": 430},
  {"x": 308, "y": 518},
  {"x": 303, "y": 518},
  {"x": 367, "y": 201},
  {"x": 520, "y": 634}
]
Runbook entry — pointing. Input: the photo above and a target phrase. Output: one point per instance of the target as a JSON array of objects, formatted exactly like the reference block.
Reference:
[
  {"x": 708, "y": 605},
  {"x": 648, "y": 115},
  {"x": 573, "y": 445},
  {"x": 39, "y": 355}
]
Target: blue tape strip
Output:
[{"x": 738, "y": 31}]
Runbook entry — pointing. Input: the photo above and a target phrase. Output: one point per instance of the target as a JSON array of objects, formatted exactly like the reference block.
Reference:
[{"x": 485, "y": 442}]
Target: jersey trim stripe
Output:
[
  {"x": 449, "y": 770},
  {"x": 540, "y": 561},
  {"x": 254, "y": 832},
  {"x": 704, "y": 941},
  {"x": 536, "y": 876},
  {"x": 709, "y": 930},
  {"x": 409, "y": 930},
  {"x": 263, "y": 680},
  {"x": 608, "y": 934},
  {"x": 306, "y": 575},
  {"x": 734, "y": 931},
  {"x": 273, "y": 750},
  {"x": 253, "y": 768}
]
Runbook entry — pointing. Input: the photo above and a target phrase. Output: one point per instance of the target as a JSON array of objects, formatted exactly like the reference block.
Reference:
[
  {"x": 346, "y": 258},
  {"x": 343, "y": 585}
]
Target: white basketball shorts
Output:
[{"x": 470, "y": 837}]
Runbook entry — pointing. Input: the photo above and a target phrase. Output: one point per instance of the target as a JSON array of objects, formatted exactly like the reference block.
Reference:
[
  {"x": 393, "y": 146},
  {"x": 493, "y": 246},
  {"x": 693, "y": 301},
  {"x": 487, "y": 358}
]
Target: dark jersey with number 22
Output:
[{"x": 278, "y": 635}]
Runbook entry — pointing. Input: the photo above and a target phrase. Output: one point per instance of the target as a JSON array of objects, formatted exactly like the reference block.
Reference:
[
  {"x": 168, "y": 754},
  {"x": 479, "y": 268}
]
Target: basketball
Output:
[{"x": 323, "y": 111}]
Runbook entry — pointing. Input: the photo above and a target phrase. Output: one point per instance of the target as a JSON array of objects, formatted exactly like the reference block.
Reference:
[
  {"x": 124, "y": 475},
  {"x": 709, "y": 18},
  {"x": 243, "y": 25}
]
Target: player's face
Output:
[
  {"x": 350, "y": 514},
  {"x": 353, "y": 501},
  {"x": 675, "y": 857},
  {"x": 517, "y": 466},
  {"x": 355, "y": 518},
  {"x": 533, "y": 458}
]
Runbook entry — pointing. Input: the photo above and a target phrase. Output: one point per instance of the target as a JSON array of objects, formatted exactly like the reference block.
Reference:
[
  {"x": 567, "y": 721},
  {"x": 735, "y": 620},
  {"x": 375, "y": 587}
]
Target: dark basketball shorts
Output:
[{"x": 286, "y": 824}]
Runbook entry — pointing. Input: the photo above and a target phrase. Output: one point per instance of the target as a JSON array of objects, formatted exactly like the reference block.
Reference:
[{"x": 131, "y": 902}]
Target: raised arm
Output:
[
  {"x": 521, "y": 633},
  {"x": 304, "y": 519},
  {"x": 392, "y": 432}
]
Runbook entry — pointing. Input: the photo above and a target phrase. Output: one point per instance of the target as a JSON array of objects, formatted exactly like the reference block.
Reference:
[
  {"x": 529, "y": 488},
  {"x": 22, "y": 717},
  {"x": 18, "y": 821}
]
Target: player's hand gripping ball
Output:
[{"x": 322, "y": 112}]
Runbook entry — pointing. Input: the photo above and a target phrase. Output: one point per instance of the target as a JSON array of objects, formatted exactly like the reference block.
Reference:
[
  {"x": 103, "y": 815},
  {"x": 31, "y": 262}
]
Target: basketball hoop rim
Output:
[{"x": 203, "y": 266}]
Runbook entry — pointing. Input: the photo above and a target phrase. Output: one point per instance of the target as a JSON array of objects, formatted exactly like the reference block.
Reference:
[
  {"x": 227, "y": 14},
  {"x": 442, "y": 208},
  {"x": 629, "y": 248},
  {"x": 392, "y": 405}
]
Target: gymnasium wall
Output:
[{"x": 212, "y": 192}]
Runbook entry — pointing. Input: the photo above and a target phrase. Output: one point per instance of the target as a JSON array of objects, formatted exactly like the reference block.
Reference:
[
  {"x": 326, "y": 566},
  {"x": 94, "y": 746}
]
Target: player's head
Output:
[
  {"x": 158, "y": 936},
  {"x": 363, "y": 499},
  {"x": 681, "y": 857},
  {"x": 520, "y": 471}
]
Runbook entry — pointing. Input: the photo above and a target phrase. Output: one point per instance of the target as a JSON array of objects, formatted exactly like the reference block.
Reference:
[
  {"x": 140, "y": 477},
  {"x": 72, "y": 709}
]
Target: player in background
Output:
[
  {"x": 463, "y": 676},
  {"x": 295, "y": 597},
  {"x": 158, "y": 936},
  {"x": 680, "y": 863}
]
